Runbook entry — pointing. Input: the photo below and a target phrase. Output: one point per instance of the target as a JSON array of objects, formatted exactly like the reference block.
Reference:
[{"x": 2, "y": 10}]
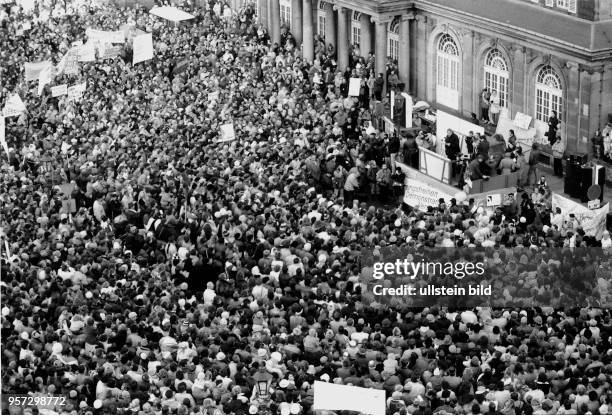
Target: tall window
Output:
[
  {"x": 569, "y": 5},
  {"x": 496, "y": 75},
  {"x": 285, "y": 13},
  {"x": 447, "y": 89},
  {"x": 321, "y": 19},
  {"x": 549, "y": 94},
  {"x": 393, "y": 39},
  {"x": 356, "y": 28}
]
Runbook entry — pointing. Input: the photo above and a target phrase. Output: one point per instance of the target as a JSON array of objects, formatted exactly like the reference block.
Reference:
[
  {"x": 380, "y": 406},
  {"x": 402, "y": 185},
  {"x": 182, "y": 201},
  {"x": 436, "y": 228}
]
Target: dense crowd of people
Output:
[{"x": 153, "y": 267}]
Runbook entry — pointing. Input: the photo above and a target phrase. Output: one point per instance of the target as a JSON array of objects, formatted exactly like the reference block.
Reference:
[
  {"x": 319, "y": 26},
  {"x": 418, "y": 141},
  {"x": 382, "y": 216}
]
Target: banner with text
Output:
[
  {"x": 593, "y": 221},
  {"x": 101, "y": 36},
  {"x": 58, "y": 91}
]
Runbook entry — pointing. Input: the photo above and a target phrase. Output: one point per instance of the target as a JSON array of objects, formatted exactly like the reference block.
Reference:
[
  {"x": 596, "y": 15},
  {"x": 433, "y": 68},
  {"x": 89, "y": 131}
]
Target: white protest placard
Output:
[
  {"x": 143, "y": 48},
  {"x": 102, "y": 36},
  {"x": 69, "y": 64},
  {"x": 33, "y": 69},
  {"x": 522, "y": 120},
  {"x": 334, "y": 397},
  {"x": 14, "y": 106},
  {"x": 110, "y": 52},
  {"x": 65, "y": 147},
  {"x": 227, "y": 133},
  {"x": 58, "y": 91},
  {"x": 494, "y": 199},
  {"x": 87, "y": 52},
  {"x": 213, "y": 96},
  {"x": 354, "y": 87},
  {"x": 76, "y": 91}
]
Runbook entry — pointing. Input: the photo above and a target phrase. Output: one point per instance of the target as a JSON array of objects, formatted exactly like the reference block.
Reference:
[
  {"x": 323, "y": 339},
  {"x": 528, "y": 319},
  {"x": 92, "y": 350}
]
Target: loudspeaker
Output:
[
  {"x": 572, "y": 184},
  {"x": 578, "y": 158},
  {"x": 609, "y": 222}
]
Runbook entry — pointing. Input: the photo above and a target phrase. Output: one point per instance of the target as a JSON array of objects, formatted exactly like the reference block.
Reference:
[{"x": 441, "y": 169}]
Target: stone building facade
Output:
[{"x": 538, "y": 55}]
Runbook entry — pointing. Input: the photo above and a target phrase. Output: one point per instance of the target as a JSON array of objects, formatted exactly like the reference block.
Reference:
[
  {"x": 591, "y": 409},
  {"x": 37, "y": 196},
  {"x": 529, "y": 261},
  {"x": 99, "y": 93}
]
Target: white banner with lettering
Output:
[
  {"x": 593, "y": 221},
  {"x": 334, "y": 397},
  {"x": 143, "y": 48}
]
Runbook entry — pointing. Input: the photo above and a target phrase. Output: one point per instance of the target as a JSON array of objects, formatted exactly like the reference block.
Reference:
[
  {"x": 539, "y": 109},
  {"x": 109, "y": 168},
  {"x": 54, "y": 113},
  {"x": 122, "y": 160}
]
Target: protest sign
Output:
[
  {"x": 101, "y": 36},
  {"x": 143, "y": 48},
  {"x": 111, "y": 52},
  {"x": 87, "y": 52},
  {"x": 354, "y": 87},
  {"x": 14, "y": 106},
  {"x": 213, "y": 96},
  {"x": 522, "y": 120},
  {"x": 69, "y": 64},
  {"x": 76, "y": 91},
  {"x": 58, "y": 91},
  {"x": 33, "y": 69},
  {"x": 227, "y": 133}
]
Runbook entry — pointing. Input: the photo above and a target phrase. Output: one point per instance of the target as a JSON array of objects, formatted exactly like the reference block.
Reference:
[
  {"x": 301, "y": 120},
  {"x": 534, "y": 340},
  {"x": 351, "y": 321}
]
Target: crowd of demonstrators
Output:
[{"x": 179, "y": 271}]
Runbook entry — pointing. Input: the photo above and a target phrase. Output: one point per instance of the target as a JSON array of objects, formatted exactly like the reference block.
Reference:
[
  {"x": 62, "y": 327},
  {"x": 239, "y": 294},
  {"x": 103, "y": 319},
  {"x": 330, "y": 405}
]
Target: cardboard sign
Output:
[
  {"x": 494, "y": 199},
  {"x": 69, "y": 64},
  {"x": 76, "y": 91},
  {"x": 111, "y": 52},
  {"x": 354, "y": 87},
  {"x": 522, "y": 120},
  {"x": 227, "y": 133},
  {"x": 143, "y": 48},
  {"x": 58, "y": 91}
]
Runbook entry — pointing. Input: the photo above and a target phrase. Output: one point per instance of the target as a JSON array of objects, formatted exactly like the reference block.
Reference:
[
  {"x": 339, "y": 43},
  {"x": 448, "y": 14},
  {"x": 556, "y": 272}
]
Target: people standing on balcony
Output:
[
  {"x": 379, "y": 86},
  {"x": 485, "y": 103}
]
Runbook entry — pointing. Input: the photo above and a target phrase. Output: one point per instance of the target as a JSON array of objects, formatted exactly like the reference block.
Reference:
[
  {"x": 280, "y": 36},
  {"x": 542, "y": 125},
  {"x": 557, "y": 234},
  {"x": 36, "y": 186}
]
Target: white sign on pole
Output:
[
  {"x": 143, "y": 48},
  {"x": 354, "y": 87},
  {"x": 33, "y": 69},
  {"x": 333, "y": 397},
  {"x": 14, "y": 106},
  {"x": 87, "y": 52},
  {"x": 45, "y": 77},
  {"x": 76, "y": 91},
  {"x": 58, "y": 91},
  {"x": 227, "y": 133}
]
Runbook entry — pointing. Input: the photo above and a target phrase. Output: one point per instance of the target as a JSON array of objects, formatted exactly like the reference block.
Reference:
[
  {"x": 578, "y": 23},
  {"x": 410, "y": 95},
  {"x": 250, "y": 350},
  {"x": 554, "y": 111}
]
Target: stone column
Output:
[
  {"x": 308, "y": 31},
  {"x": 404, "y": 51},
  {"x": 343, "y": 41},
  {"x": 424, "y": 80},
  {"x": 569, "y": 127},
  {"x": 584, "y": 111},
  {"x": 366, "y": 35},
  {"x": 275, "y": 21},
  {"x": 296, "y": 21},
  {"x": 381, "y": 47},
  {"x": 518, "y": 80},
  {"x": 330, "y": 25}
]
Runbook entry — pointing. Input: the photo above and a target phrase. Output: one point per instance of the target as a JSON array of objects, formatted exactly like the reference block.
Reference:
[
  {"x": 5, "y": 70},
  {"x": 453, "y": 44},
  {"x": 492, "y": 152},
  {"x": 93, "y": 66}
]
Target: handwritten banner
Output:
[
  {"x": 76, "y": 91},
  {"x": 101, "y": 36},
  {"x": 33, "y": 69}
]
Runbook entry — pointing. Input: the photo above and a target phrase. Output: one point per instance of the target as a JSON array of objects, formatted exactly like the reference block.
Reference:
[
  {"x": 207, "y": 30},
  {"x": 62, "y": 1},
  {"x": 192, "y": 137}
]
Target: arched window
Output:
[
  {"x": 285, "y": 13},
  {"x": 447, "y": 88},
  {"x": 496, "y": 75},
  {"x": 356, "y": 28},
  {"x": 321, "y": 19},
  {"x": 549, "y": 94},
  {"x": 393, "y": 39}
]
